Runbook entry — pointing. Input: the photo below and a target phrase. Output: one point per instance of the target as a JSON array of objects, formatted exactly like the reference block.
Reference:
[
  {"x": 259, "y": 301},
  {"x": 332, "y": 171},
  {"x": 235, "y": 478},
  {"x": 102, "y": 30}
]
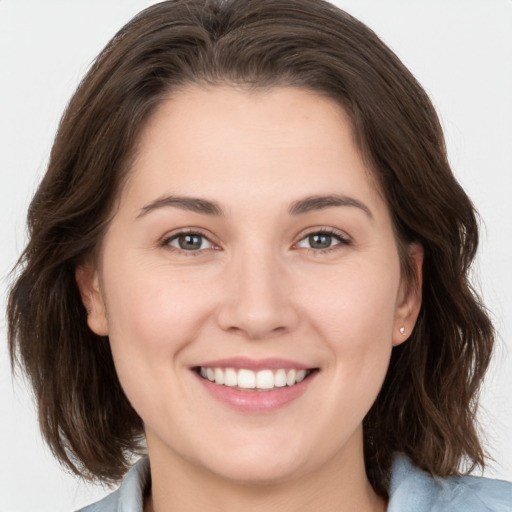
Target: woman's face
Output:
[{"x": 250, "y": 246}]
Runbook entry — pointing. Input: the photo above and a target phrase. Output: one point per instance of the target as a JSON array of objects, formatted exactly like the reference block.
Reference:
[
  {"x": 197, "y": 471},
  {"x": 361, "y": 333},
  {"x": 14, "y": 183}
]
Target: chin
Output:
[
  {"x": 256, "y": 464},
  {"x": 261, "y": 472}
]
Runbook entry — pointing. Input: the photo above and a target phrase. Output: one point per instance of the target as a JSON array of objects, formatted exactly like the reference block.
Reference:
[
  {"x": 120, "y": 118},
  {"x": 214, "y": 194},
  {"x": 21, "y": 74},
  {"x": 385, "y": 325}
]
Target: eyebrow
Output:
[
  {"x": 207, "y": 207},
  {"x": 193, "y": 204},
  {"x": 313, "y": 203}
]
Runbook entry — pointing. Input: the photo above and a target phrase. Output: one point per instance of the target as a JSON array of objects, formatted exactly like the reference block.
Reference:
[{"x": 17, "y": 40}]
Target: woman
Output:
[{"x": 249, "y": 252}]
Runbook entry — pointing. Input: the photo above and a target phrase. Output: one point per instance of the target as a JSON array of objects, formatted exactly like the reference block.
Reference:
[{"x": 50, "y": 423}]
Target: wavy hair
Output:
[{"x": 426, "y": 407}]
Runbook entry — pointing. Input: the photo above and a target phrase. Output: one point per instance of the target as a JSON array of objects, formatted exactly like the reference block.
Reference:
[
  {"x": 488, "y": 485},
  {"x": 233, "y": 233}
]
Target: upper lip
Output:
[{"x": 248, "y": 363}]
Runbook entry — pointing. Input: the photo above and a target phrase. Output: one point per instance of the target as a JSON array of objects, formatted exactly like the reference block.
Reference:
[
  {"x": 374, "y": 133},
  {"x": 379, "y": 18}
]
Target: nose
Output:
[{"x": 257, "y": 300}]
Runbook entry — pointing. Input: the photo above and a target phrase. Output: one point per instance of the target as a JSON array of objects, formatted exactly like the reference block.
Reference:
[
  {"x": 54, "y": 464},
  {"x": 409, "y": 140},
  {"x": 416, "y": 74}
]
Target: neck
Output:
[{"x": 340, "y": 485}]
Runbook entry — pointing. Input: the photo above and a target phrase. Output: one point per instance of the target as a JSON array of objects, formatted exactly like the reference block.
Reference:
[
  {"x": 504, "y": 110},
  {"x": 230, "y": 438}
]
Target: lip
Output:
[
  {"x": 255, "y": 365},
  {"x": 255, "y": 401}
]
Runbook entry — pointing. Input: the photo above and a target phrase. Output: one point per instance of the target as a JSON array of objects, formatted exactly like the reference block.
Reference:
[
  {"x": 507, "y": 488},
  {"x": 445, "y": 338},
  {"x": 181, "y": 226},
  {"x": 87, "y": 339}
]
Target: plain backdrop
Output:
[{"x": 460, "y": 50}]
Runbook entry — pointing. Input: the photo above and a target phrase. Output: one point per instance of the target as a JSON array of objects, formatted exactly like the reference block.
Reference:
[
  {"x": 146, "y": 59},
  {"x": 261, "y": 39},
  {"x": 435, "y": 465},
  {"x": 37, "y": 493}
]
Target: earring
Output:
[{"x": 402, "y": 330}]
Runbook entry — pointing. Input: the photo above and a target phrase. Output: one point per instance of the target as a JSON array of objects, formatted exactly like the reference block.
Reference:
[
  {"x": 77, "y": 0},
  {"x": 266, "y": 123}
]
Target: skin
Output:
[{"x": 255, "y": 288}]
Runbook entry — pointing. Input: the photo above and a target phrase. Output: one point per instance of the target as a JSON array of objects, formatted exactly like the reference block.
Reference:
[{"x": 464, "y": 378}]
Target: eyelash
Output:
[
  {"x": 166, "y": 242},
  {"x": 337, "y": 235}
]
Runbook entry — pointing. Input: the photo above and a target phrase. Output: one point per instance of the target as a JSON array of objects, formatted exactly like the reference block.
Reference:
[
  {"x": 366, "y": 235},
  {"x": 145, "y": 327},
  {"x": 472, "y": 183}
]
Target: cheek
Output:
[
  {"x": 152, "y": 317},
  {"x": 355, "y": 305},
  {"x": 355, "y": 312},
  {"x": 152, "y": 309}
]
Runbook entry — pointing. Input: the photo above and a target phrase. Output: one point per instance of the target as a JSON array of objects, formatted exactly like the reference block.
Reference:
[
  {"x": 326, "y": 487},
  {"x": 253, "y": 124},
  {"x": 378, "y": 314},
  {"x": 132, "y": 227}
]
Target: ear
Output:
[
  {"x": 409, "y": 298},
  {"x": 88, "y": 282}
]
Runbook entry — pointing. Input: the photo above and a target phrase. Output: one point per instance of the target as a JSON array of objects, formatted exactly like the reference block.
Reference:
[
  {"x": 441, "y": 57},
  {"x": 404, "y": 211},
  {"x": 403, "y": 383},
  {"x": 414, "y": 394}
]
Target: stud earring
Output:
[{"x": 402, "y": 330}]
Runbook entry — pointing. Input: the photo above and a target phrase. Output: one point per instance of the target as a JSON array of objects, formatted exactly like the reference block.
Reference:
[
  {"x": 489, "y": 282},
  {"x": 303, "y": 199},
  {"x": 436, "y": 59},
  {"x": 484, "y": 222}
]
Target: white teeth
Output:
[
  {"x": 265, "y": 379},
  {"x": 219, "y": 376},
  {"x": 230, "y": 377},
  {"x": 290, "y": 378},
  {"x": 280, "y": 379},
  {"x": 301, "y": 375},
  {"x": 248, "y": 379}
]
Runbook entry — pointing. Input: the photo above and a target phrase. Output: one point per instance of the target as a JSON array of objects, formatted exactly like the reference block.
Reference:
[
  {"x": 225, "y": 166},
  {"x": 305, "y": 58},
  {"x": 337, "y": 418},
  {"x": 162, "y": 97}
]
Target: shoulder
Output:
[
  {"x": 413, "y": 489},
  {"x": 130, "y": 495}
]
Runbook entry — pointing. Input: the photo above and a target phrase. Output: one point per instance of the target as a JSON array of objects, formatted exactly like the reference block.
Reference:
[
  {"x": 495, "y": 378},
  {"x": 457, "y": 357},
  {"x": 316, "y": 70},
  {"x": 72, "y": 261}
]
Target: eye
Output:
[
  {"x": 189, "y": 242},
  {"x": 322, "y": 240}
]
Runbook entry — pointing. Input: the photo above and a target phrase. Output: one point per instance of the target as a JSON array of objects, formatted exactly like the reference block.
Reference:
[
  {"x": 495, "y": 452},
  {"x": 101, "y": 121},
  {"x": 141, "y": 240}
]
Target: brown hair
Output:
[{"x": 426, "y": 407}]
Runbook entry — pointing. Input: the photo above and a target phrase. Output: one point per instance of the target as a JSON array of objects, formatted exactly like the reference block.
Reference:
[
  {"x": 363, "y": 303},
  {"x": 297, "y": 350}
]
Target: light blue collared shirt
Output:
[{"x": 411, "y": 490}]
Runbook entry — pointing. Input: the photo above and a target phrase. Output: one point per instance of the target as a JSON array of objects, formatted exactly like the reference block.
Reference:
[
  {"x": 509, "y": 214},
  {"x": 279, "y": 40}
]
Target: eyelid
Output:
[
  {"x": 172, "y": 235},
  {"x": 343, "y": 238}
]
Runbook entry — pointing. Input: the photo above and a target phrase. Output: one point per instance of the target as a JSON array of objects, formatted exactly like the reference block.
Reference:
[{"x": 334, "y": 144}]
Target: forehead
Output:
[{"x": 233, "y": 143}]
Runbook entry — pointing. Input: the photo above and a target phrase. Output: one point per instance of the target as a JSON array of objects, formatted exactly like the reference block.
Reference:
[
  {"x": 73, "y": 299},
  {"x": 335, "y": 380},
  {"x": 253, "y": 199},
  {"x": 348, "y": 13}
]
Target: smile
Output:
[{"x": 245, "y": 379}]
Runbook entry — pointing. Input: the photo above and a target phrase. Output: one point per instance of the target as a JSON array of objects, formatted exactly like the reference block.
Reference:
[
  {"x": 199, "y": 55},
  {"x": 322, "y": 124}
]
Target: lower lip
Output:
[{"x": 256, "y": 401}]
